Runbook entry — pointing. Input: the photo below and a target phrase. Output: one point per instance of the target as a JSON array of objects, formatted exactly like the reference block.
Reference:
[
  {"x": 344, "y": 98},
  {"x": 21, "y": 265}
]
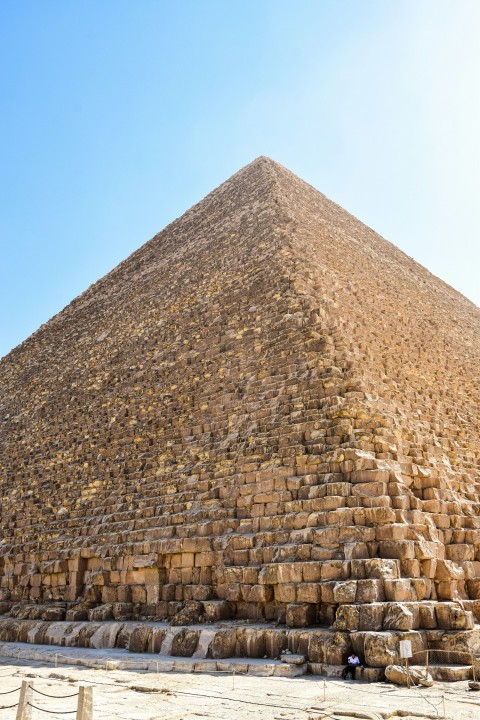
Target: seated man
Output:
[{"x": 352, "y": 662}]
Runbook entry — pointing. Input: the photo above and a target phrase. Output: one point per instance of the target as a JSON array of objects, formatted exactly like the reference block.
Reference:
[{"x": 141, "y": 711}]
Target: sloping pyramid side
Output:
[
  {"x": 408, "y": 441},
  {"x": 253, "y": 407}
]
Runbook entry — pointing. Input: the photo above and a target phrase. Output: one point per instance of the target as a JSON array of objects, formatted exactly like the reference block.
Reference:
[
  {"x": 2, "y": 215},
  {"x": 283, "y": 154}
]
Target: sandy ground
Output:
[{"x": 133, "y": 695}]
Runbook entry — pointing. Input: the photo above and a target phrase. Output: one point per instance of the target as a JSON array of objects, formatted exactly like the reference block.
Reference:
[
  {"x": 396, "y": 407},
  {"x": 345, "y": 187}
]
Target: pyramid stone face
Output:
[{"x": 267, "y": 404}]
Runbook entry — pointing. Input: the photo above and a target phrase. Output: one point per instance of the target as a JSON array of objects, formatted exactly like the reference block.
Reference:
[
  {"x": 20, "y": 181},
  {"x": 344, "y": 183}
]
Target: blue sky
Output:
[{"x": 115, "y": 117}]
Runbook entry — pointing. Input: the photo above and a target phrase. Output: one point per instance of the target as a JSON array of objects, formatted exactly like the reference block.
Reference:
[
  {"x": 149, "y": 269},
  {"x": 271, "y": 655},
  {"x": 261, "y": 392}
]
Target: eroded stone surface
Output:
[{"x": 399, "y": 675}]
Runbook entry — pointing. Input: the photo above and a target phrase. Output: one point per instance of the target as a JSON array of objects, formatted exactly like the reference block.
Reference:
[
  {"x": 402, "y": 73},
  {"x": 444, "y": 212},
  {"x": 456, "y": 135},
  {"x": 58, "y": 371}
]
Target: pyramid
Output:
[{"x": 268, "y": 412}]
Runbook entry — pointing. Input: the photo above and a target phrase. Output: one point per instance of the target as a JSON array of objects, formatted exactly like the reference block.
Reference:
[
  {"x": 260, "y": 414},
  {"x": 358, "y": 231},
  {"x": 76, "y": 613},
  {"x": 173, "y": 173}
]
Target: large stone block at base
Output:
[{"x": 300, "y": 615}]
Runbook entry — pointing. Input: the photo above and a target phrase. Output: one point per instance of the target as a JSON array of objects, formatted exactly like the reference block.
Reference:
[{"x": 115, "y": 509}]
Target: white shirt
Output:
[{"x": 353, "y": 660}]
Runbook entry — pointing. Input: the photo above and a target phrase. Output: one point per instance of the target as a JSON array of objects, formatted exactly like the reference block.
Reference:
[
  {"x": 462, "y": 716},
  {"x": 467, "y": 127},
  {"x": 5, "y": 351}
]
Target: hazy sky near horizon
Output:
[{"x": 115, "y": 117}]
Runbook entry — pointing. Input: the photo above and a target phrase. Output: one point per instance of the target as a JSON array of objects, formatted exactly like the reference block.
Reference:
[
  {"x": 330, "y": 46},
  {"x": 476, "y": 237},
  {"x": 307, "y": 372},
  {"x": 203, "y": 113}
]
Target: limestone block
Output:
[
  {"x": 369, "y": 591},
  {"x": 138, "y": 594},
  {"x": 425, "y": 550},
  {"x": 205, "y": 559},
  {"x": 53, "y": 613},
  {"x": 336, "y": 648},
  {"x": 448, "y": 590},
  {"x": 381, "y": 649},
  {"x": 347, "y": 618},
  {"x": 311, "y": 572},
  {"x": 422, "y": 588},
  {"x": 190, "y": 613},
  {"x": 300, "y": 615},
  {"x": 345, "y": 592},
  {"x": 372, "y": 489},
  {"x": 410, "y": 567},
  {"x": 83, "y": 639},
  {"x": 398, "y": 674},
  {"x": 109, "y": 594},
  {"x": 105, "y": 636},
  {"x": 459, "y": 552},
  {"x": 335, "y": 570},
  {"x": 268, "y": 575},
  {"x": 470, "y": 568},
  {"x": 230, "y": 575},
  {"x": 473, "y": 588},
  {"x": 194, "y": 592},
  {"x": 398, "y": 617},
  {"x": 399, "y": 549},
  {"x": 382, "y": 568},
  {"x": 329, "y": 647},
  {"x": 448, "y": 570},
  {"x": 357, "y": 569},
  {"x": 327, "y": 591},
  {"x": 103, "y": 612},
  {"x": 379, "y": 515},
  {"x": 185, "y": 642},
  {"x": 429, "y": 568},
  {"x": 276, "y": 641},
  {"x": 309, "y": 593},
  {"x": 286, "y": 593},
  {"x": 428, "y": 618},
  {"x": 250, "y": 642},
  {"x": 217, "y": 610},
  {"x": 122, "y": 611},
  {"x": 76, "y": 615},
  {"x": 453, "y": 617},
  {"x": 399, "y": 590},
  {"x": 370, "y": 675},
  {"x": 370, "y": 617},
  {"x": 289, "y": 573},
  {"x": 140, "y": 639}
]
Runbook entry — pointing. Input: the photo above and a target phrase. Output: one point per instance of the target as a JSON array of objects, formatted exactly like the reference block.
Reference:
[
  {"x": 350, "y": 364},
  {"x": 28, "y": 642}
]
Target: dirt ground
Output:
[{"x": 134, "y": 695}]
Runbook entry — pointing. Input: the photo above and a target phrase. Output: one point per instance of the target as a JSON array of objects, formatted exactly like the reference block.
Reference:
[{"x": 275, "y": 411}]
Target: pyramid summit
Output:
[{"x": 268, "y": 413}]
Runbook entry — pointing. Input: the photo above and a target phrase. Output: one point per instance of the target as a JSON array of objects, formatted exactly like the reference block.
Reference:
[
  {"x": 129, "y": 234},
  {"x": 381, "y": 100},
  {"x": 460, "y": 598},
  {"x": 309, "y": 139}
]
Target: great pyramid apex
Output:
[{"x": 266, "y": 413}]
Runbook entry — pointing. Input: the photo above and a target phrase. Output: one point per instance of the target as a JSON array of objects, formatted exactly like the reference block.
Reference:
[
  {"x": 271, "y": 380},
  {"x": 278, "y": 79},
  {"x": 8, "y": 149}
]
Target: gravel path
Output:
[{"x": 131, "y": 695}]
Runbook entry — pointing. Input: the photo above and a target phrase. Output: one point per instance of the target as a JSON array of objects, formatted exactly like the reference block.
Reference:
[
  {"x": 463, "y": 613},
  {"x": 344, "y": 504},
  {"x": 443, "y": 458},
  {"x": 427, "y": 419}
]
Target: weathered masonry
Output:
[{"x": 267, "y": 412}]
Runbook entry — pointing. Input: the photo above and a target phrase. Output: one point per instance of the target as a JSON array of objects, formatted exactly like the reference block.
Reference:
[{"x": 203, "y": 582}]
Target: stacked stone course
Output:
[{"x": 267, "y": 412}]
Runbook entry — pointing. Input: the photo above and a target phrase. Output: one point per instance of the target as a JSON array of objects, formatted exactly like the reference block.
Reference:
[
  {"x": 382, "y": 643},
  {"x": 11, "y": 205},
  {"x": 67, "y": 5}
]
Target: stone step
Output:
[
  {"x": 117, "y": 659},
  {"x": 449, "y": 673},
  {"x": 317, "y": 650}
]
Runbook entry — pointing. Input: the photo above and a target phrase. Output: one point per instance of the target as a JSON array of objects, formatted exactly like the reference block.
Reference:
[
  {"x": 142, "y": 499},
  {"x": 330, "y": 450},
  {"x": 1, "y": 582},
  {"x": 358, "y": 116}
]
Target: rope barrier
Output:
[
  {"x": 52, "y": 712},
  {"x": 58, "y": 697},
  {"x": 10, "y": 691},
  {"x": 8, "y": 707}
]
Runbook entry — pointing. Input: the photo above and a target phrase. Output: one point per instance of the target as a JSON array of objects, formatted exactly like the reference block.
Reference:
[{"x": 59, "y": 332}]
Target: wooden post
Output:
[
  {"x": 85, "y": 703},
  {"x": 324, "y": 691},
  {"x": 443, "y": 701},
  {"x": 24, "y": 710}
]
